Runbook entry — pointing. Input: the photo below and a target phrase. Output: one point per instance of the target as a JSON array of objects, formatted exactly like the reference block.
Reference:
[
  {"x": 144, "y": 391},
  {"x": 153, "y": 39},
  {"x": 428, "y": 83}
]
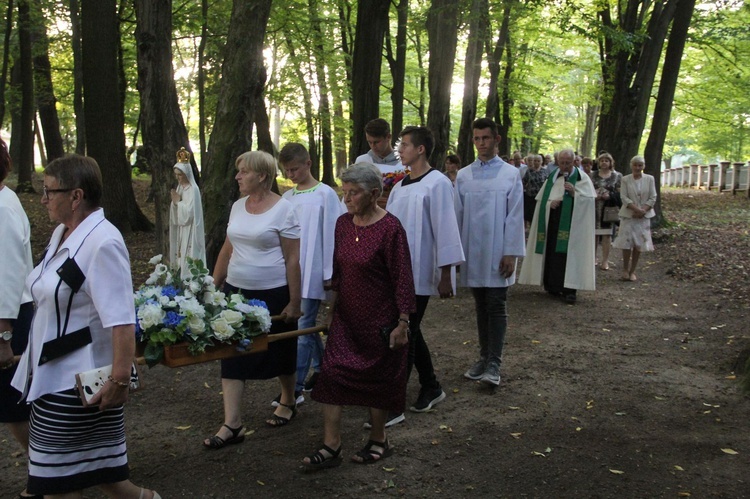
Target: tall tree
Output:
[
  {"x": 24, "y": 163},
  {"x": 397, "y": 64},
  {"x": 442, "y": 29},
  {"x": 75, "y": 41},
  {"x": 43, "y": 89},
  {"x": 103, "y": 111},
  {"x": 372, "y": 22},
  {"x": 663, "y": 109},
  {"x": 494, "y": 56},
  {"x": 6, "y": 58},
  {"x": 478, "y": 33},
  {"x": 324, "y": 107},
  {"x": 164, "y": 131},
  {"x": 242, "y": 80},
  {"x": 632, "y": 39}
]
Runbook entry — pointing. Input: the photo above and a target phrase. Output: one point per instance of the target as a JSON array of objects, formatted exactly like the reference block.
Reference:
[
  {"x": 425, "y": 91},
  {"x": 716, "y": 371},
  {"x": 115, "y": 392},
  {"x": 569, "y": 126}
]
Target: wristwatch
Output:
[{"x": 6, "y": 335}]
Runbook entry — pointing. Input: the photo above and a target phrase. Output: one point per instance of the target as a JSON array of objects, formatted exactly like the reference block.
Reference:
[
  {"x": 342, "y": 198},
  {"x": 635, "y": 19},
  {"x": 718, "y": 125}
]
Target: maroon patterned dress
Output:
[{"x": 374, "y": 281}]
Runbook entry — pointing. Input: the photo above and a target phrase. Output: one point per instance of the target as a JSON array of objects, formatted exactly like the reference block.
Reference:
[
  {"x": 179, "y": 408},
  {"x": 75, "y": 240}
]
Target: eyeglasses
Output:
[{"x": 47, "y": 191}]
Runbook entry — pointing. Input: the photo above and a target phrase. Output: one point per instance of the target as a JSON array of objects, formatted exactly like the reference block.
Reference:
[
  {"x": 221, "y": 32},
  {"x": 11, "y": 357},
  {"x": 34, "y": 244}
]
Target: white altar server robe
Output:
[
  {"x": 425, "y": 209},
  {"x": 317, "y": 212},
  {"x": 489, "y": 209}
]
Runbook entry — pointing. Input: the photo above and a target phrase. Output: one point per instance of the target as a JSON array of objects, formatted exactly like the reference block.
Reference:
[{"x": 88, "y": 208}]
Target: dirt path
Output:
[{"x": 626, "y": 394}]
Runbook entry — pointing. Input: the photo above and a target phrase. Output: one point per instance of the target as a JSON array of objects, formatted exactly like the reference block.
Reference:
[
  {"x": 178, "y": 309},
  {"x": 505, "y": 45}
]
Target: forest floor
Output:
[{"x": 630, "y": 393}]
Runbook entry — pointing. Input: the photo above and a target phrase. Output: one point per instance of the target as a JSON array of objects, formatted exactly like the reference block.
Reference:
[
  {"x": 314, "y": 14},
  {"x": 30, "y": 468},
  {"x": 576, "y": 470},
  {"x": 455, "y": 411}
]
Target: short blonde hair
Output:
[{"x": 259, "y": 162}]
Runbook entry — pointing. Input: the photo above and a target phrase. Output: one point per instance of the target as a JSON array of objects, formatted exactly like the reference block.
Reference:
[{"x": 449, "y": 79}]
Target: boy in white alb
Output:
[
  {"x": 381, "y": 153},
  {"x": 423, "y": 203},
  {"x": 317, "y": 206}
]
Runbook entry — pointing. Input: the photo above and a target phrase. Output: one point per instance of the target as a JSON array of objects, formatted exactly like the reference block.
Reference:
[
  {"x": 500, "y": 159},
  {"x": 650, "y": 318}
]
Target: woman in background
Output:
[
  {"x": 607, "y": 184},
  {"x": 638, "y": 198}
]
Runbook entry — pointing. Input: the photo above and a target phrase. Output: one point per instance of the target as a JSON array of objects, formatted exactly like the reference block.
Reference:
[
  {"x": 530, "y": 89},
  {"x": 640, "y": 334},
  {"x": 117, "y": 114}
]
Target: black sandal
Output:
[
  {"x": 369, "y": 455},
  {"x": 319, "y": 461},
  {"x": 216, "y": 442},
  {"x": 278, "y": 421}
]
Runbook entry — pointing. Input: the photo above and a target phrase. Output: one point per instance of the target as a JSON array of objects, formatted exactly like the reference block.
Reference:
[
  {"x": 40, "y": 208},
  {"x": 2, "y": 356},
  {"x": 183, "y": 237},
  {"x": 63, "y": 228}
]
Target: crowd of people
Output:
[{"x": 375, "y": 258}]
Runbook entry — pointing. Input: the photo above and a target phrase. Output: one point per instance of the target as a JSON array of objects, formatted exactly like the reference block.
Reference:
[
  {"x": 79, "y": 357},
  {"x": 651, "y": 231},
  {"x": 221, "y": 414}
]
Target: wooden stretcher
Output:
[{"x": 178, "y": 355}]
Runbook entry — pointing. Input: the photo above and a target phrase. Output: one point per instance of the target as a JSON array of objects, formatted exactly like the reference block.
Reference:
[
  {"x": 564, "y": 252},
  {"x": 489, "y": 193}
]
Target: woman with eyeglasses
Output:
[{"x": 84, "y": 320}]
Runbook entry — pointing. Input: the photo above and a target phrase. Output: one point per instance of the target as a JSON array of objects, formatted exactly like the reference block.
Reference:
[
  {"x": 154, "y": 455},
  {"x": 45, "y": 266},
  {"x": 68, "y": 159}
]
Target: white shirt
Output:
[
  {"x": 489, "y": 209},
  {"x": 15, "y": 246},
  {"x": 317, "y": 210},
  {"x": 257, "y": 261},
  {"x": 425, "y": 209},
  {"x": 390, "y": 164},
  {"x": 104, "y": 300}
]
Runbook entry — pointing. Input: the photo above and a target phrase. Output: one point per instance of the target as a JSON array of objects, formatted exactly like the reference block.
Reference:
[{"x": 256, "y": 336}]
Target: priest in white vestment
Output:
[{"x": 560, "y": 252}]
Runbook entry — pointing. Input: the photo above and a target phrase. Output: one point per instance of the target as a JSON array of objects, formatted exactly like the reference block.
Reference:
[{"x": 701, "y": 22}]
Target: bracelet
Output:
[
  {"x": 118, "y": 383},
  {"x": 403, "y": 320}
]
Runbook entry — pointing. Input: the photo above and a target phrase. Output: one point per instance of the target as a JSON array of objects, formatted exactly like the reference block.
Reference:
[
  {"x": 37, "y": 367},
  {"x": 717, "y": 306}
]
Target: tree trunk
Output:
[
  {"x": 505, "y": 124},
  {"x": 663, "y": 109},
  {"x": 75, "y": 34},
  {"x": 44, "y": 92},
  {"x": 312, "y": 142},
  {"x": 242, "y": 79},
  {"x": 397, "y": 65},
  {"x": 628, "y": 75},
  {"x": 442, "y": 29},
  {"x": 372, "y": 22},
  {"x": 202, "y": 85},
  {"x": 103, "y": 114},
  {"x": 6, "y": 59},
  {"x": 25, "y": 164},
  {"x": 324, "y": 109},
  {"x": 163, "y": 129},
  {"x": 478, "y": 32},
  {"x": 589, "y": 132},
  {"x": 493, "y": 59},
  {"x": 263, "y": 128}
]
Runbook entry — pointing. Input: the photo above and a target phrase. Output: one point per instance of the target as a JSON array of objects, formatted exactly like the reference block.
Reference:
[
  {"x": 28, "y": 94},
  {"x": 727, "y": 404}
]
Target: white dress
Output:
[{"x": 186, "y": 231}]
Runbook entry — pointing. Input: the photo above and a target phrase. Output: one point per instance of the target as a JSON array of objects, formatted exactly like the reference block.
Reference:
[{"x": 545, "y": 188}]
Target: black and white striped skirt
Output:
[{"x": 72, "y": 447}]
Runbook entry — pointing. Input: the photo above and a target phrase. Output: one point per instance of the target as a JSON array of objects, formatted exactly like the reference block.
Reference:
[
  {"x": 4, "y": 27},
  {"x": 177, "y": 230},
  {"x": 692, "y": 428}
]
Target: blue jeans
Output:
[
  {"x": 309, "y": 346},
  {"x": 492, "y": 321}
]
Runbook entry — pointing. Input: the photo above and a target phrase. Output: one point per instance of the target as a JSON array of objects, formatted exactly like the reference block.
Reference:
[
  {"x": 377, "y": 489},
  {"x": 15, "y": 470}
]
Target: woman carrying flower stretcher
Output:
[{"x": 260, "y": 259}]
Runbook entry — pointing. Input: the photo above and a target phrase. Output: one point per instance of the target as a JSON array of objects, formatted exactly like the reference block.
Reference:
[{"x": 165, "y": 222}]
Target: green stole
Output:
[{"x": 563, "y": 233}]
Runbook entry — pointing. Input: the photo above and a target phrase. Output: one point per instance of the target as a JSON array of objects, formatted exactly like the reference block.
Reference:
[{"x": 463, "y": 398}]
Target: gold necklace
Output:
[{"x": 356, "y": 233}]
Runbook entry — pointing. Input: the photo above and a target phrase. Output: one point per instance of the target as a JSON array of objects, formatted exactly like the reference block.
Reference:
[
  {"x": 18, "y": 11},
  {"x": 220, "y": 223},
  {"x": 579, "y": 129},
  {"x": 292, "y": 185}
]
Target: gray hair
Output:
[
  {"x": 365, "y": 175},
  {"x": 567, "y": 151},
  {"x": 638, "y": 159}
]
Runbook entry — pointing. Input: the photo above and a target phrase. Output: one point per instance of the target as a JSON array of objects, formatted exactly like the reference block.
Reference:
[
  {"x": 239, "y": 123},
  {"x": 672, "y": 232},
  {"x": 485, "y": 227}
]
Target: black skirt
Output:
[
  {"x": 11, "y": 411},
  {"x": 281, "y": 357}
]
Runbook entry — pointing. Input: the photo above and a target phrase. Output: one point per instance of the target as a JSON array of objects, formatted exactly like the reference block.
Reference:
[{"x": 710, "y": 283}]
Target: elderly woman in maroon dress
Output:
[{"x": 365, "y": 360}]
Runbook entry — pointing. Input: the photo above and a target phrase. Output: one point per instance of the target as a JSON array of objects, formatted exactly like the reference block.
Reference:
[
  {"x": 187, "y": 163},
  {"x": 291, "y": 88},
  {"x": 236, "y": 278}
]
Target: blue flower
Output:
[
  {"x": 169, "y": 291},
  {"x": 257, "y": 303},
  {"x": 173, "y": 319}
]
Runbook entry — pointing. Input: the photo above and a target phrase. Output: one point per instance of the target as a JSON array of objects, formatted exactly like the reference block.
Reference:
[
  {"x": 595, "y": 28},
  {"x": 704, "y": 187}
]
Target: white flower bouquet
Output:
[{"x": 192, "y": 310}]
